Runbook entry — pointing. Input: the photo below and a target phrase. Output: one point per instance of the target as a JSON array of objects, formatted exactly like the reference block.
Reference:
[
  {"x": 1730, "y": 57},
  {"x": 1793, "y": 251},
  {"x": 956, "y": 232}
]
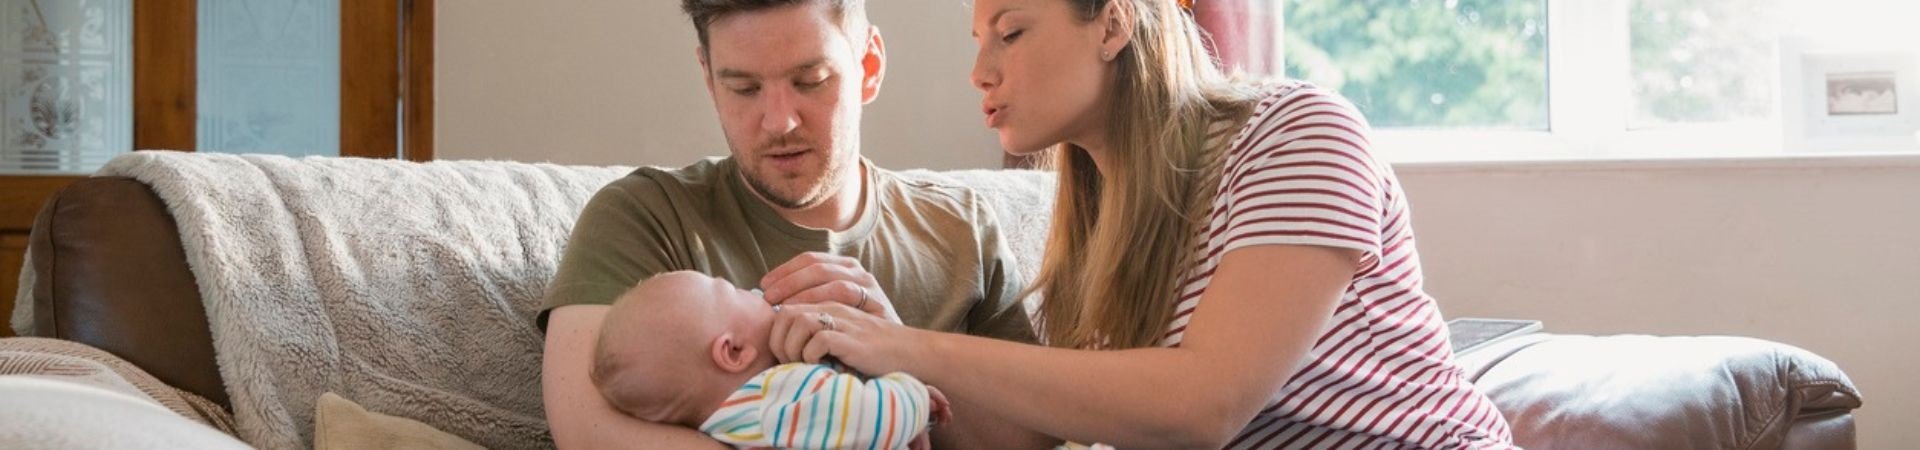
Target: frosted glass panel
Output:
[
  {"x": 65, "y": 84},
  {"x": 270, "y": 77}
]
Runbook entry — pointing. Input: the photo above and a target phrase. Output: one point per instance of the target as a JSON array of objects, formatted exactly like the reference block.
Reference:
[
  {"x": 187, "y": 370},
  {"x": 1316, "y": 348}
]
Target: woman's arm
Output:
[
  {"x": 1258, "y": 318},
  {"x": 578, "y": 416}
]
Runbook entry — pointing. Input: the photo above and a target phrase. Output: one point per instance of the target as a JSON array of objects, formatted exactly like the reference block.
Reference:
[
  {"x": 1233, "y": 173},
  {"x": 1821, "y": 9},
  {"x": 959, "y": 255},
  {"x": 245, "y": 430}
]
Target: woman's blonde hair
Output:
[{"x": 1121, "y": 245}]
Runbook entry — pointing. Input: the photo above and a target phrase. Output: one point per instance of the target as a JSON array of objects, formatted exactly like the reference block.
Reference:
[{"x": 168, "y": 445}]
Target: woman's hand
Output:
[
  {"x": 814, "y": 278},
  {"x": 869, "y": 344}
]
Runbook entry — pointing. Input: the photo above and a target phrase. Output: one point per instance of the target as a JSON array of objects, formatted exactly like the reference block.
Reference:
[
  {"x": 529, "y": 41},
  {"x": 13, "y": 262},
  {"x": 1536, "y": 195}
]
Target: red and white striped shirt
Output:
[{"x": 1382, "y": 376}]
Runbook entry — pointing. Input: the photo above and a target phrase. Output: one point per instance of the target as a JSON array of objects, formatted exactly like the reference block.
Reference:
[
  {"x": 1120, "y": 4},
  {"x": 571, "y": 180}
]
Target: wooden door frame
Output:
[
  {"x": 377, "y": 75},
  {"x": 165, "y": 73},
  {"x": 386, "y": 60}
]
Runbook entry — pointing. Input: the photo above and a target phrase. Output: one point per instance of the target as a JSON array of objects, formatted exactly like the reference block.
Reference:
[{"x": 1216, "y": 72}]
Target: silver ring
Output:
[
  {"x": 826, "y": 320},
  {"x": 863, "y": 299}
]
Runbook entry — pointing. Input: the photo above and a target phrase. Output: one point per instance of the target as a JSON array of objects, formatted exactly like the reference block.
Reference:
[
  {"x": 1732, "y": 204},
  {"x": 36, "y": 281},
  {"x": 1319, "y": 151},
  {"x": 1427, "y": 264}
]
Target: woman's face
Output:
[{"x": 1042, "y": 72}]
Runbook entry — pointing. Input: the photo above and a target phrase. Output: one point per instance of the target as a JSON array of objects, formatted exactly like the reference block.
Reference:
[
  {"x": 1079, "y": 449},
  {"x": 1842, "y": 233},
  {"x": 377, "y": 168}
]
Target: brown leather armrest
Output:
[
  {"x": 1647, "y": 392},
  {"x": 110, "y": 273}
]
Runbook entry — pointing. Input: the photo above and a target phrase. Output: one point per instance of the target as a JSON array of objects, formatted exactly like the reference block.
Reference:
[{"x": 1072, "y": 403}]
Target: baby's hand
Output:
[{"x": 942, "y": 410}]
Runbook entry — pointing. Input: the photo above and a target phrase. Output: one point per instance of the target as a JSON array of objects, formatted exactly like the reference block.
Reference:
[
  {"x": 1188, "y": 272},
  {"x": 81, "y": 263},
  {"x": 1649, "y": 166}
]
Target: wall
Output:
[
  {"x": 617, "y": 82},
  {"x": 1822, "y": 254}
]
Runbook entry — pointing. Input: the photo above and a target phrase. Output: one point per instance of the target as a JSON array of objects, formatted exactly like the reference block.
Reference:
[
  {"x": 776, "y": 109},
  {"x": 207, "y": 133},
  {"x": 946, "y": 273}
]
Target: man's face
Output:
[{"x": 789, "y": 84}]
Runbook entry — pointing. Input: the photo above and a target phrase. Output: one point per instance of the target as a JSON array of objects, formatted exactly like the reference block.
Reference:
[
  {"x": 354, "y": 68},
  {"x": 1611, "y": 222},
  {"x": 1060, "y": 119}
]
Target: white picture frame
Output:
[{"x": 1848, "y": 101}]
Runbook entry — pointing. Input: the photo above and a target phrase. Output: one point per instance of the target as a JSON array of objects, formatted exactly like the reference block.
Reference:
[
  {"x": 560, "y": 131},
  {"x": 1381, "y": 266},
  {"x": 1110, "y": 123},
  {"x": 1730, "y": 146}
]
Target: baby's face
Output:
[{"x": 743, "y": 312}]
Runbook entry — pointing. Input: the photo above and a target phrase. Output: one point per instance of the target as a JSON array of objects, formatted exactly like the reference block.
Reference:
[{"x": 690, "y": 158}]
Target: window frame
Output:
[{"x": 1589, "y": 107}]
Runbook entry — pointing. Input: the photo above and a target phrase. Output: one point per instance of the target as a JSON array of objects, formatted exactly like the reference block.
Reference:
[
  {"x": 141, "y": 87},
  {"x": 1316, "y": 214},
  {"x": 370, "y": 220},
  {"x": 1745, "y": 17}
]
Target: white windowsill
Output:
[{"x": 1769, "y": 161}]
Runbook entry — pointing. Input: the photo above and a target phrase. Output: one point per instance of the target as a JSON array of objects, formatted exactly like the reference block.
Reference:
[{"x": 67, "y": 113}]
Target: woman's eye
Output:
[{"x": 1012, "y": 35}]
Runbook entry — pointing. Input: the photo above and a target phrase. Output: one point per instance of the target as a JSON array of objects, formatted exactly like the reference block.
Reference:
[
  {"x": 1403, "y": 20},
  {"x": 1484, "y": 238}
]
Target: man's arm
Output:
[{"x": 578, "y": 416}]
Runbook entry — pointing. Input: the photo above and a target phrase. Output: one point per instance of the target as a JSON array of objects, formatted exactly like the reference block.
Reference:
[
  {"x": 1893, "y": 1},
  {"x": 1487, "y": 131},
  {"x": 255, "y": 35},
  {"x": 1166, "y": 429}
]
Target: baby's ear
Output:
[{"x": 731, "y": 354}]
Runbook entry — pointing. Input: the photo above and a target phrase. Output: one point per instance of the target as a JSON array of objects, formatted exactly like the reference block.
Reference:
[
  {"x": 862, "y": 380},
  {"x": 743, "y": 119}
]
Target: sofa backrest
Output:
[{"x": 110, "y": 271}]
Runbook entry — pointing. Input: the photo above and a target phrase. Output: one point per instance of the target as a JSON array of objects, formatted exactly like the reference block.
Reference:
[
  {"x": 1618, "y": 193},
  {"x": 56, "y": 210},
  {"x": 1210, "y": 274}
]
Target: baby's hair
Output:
[{"x": 604, "y": 361}]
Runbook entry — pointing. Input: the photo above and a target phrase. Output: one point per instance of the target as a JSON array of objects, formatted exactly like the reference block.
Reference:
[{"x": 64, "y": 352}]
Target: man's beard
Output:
[{"x": 831, "y": 176}]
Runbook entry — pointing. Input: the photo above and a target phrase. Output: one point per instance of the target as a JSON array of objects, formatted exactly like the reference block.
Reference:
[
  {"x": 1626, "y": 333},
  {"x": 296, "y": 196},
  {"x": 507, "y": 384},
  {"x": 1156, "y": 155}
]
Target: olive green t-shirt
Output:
[{"x": 934, "y": 248}]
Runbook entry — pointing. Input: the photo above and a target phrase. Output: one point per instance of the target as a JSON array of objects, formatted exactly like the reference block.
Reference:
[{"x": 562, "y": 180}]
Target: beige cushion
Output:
[{"x": 342, "y": 424}]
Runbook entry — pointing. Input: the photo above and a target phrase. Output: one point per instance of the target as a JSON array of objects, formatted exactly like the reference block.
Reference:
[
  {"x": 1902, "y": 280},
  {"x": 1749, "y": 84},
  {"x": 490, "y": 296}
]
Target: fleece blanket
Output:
[{"x": 406, "y": 287}]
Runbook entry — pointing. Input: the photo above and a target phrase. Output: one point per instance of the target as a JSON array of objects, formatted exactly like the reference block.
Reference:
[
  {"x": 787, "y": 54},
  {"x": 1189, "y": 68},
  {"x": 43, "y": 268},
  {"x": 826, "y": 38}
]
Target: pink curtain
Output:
[{"x": 1246, "y": 34}]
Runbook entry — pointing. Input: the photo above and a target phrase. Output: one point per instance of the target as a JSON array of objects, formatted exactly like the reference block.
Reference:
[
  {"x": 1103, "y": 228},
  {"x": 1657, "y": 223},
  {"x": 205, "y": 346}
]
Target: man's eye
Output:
[
  {"x": 811, "y": 84},
  {"x": 749, "y": 90}
]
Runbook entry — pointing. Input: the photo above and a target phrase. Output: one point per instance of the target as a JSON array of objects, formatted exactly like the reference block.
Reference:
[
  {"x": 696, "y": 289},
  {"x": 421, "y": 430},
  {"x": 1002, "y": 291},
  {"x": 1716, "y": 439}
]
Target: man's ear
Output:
[
  {"x": 731, "y": 354},
  {"x": 1117, "y": 31},
  {"x": 873, "y": 65}
]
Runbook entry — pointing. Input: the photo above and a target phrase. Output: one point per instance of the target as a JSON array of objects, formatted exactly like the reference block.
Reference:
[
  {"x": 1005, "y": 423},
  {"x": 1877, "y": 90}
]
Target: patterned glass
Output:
[
  {"x": 269, "y": 79},
  {"x": 65, "y": 84}
]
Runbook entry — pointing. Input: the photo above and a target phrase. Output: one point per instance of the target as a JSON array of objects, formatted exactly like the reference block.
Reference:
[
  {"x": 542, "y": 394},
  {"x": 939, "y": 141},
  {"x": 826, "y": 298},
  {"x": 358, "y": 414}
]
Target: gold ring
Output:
[{"x": 826, "y": 321}]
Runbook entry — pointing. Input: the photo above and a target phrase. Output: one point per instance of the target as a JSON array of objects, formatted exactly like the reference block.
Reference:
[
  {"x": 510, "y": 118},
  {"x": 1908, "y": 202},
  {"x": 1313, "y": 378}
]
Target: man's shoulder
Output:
[
  {"x": 925, "y": 192},
  {"x": 653, "y": 184}
]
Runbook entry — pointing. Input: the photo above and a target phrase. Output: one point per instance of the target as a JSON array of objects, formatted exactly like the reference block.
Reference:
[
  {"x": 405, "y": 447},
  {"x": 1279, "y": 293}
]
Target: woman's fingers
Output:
[
  {"x": 802, "y": 329},
  {"x": 796, "y": 326},
  {"x": 777, "y": 337},
  {"x": 819, "y": 347}
]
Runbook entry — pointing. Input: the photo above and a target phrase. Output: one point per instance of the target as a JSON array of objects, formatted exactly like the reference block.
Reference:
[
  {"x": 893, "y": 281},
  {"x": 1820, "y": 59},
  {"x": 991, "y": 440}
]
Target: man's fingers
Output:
[
  {"x": 840, "y": 292},
  {"x": 802, "y": 261},
  {"x": 809, "y": 277}
]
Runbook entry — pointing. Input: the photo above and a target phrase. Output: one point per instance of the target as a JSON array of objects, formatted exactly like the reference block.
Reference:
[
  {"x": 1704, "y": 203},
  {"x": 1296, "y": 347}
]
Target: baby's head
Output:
[{"x": 676, "y": 345}]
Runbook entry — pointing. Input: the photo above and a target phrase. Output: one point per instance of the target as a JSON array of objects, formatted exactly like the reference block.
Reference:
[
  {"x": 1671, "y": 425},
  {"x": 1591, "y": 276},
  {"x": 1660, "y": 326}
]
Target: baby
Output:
[{"x": 692, "y": 350}]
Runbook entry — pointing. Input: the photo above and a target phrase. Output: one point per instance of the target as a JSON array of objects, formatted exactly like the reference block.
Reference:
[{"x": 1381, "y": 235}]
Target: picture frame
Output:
[{"x": 1848, "y": 101}]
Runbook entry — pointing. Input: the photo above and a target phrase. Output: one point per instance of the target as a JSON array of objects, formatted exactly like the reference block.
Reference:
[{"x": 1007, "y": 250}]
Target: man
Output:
[{"x": 794, "y": 211}]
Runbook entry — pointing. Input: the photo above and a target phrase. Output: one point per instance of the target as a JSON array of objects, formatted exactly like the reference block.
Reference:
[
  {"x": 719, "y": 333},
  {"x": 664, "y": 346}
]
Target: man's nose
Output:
[{"x": 780, "y": 116}]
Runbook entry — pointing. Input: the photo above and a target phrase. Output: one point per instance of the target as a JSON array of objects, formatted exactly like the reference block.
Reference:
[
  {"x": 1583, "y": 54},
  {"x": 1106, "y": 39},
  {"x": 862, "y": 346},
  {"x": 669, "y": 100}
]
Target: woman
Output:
[{"x": 1228, "y": 265}]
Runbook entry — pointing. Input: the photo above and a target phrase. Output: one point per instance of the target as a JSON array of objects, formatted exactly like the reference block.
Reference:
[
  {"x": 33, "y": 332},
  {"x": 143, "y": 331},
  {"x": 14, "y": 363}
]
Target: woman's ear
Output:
[
  {"x": 1117, "y": 22},
  {"x": 731, "y": 354}
]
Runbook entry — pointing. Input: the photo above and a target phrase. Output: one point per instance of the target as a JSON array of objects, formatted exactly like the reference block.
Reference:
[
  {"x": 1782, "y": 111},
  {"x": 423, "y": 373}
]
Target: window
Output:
[
  {"x": 1431, "y": 63},
  {"x": 1702, "y": 61},
  {"x": 1540, "y": 79}
]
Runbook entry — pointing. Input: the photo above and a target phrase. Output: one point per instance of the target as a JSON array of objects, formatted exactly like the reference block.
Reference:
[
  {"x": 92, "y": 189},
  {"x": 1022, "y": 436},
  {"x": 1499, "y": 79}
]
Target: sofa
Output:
[{"x": 109, "y": 270}]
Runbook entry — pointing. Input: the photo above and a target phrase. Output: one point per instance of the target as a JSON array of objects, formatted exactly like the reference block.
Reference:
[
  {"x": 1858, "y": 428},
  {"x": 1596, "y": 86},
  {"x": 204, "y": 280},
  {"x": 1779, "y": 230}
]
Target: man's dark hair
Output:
[{"x": 851, "y": 13}]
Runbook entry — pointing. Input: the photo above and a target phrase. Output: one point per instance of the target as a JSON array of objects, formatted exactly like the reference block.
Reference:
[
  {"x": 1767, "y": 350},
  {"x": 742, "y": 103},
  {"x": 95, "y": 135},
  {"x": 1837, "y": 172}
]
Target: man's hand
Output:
[{"x": 823, "y": 278}]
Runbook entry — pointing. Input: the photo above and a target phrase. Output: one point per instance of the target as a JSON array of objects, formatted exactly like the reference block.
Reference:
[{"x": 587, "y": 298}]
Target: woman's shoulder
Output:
[
  {"x": 1281, "y": 100},
  {"x": 1303, "y": 117}
]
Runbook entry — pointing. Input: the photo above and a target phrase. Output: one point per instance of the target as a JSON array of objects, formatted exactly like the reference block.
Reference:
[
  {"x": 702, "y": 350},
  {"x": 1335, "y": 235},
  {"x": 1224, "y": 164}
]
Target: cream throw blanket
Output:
[{"x": 407, "y": 287}]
